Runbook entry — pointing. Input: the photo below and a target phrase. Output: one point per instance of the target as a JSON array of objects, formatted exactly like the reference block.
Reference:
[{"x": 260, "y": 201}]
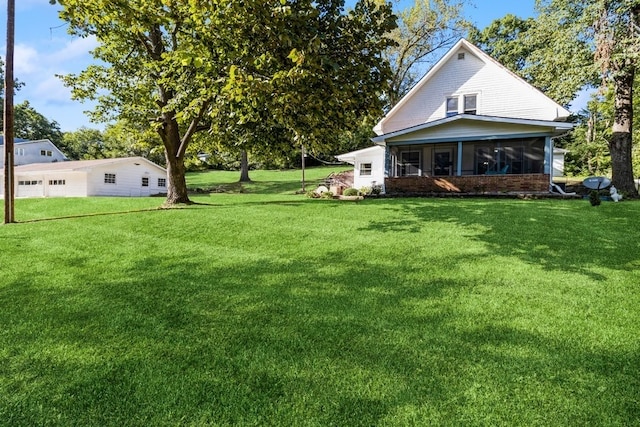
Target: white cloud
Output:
[
  {"x": 26, "y": 60},
  {"x": 52, "y": 90},
  {"x": 77, "y": 48}
]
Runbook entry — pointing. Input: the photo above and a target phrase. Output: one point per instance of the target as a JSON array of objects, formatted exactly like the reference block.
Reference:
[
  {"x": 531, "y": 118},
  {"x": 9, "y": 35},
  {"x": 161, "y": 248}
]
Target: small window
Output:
[
  {"x": 365, "y": 169},
  {"x": 145, "y": 181},
  {"x": 470, "y": 103},
  {"x": 109, "y": 178},
  {"x": 461, "y": 56},
  {"x": 57, "y": 182},
  {"x": 43, "y": 152},
  {"x": 49, "y": 154},
  {"x": 452, "y": 106},
  {"x": 162, "y": 182}
]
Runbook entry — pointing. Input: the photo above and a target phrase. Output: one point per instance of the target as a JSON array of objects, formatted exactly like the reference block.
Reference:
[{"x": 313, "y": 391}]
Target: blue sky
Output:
[{"x": 44, "y": 49}]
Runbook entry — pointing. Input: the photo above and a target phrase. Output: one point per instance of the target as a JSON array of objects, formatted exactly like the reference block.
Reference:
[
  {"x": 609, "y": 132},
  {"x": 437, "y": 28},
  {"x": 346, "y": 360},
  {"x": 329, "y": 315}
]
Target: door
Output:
[{"x": 443, "y": 162}]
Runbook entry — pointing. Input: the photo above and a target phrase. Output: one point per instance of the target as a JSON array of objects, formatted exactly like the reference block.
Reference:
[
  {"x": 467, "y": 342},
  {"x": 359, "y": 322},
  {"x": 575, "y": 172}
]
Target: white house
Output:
[
  {"x": 468, "y": 126},
  {"x": 129, "y": 176},
  {"x": 26, "y": 152}
]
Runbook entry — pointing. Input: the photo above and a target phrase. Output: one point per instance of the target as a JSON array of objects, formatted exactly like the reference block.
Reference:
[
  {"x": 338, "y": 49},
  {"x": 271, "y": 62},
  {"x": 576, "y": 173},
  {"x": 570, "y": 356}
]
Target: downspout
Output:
[{"x": 548, "y": 156}]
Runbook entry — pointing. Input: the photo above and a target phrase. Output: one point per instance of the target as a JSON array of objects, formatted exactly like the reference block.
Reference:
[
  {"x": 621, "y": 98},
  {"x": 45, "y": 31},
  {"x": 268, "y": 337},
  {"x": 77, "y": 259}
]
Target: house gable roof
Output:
[
  {"x": 84, "y": 165},
  {"x": 501, "y": 93},
  {"x": 351, "y": 156},
  {"x": 19, "y": 142}
]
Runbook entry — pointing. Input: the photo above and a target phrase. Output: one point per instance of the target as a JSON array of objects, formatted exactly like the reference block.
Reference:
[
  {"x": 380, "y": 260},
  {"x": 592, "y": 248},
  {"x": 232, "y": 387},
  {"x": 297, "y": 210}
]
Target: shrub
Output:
[
  {"x": 312, "y": 194},
  {"x": 350, "y": 192},
  {"x": 327, "y": 195},
  {"x": 364, "y": 191},
  {"x": 594, "y": 198}
]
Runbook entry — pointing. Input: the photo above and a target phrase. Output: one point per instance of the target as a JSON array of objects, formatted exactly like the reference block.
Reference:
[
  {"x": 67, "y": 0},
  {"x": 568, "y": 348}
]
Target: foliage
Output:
[
  {"x": 350, "y": 192},
  {"x": 559, "y": 64},
  {"x": 594, "y": 198},
  {"x": 180, "y": 67},
  {"x": 576, "y": 44},
  {"x": 588, "y": 146},
  {"x": 388, "y": 312},
  {"x": 608, "y": 31},
  {"x": 364, "y": 191},
  {"x": 29, "y": 124}
]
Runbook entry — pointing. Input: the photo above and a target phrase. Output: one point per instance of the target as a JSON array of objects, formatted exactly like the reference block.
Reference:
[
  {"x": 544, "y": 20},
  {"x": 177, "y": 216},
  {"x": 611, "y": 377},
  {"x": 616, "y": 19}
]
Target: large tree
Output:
[
  {"x": 30, "y": 124},
  {"x": 612, "y": 29},
  {"x": 169, "y": 64}
]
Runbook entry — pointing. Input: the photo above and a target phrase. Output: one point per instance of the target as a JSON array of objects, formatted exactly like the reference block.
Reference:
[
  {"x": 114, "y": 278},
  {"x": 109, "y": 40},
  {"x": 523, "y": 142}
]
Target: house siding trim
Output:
[{"x": 467, "y": 139}]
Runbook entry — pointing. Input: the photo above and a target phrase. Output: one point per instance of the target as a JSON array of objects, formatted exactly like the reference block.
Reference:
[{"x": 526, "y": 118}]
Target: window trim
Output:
[
  {"x": 473, "y": 96},
  {"x": 450, "y": 111},
  {"x": 366, "y": 169},
  {"x": 401, "y": 164},
  {"x": 109, "y": 178},
  {"x": 145, "y": 181}
]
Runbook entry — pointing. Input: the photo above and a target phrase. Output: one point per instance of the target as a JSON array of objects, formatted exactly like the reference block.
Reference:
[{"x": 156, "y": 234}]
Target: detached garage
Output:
[{"x": 128, "y": 177}]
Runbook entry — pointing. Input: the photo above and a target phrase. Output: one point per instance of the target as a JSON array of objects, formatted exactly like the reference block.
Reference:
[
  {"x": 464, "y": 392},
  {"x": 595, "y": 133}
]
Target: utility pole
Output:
[{"x": 9, "y": 184}]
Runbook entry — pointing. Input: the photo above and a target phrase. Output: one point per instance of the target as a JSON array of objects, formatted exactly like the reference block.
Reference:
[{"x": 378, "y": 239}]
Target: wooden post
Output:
[
  {"x": 303, "y": 155},
  {"x": 9, "y": 184}
]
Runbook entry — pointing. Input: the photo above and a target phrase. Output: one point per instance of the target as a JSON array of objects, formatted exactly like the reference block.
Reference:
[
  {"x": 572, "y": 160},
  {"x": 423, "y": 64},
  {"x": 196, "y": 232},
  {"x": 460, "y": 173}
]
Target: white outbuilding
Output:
[{"x": 128, "y": 177}]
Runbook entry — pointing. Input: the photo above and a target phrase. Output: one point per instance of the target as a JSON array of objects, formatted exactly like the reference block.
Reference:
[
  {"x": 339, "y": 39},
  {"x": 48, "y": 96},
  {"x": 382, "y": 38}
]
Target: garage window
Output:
[{"x": 109, "y": 178}]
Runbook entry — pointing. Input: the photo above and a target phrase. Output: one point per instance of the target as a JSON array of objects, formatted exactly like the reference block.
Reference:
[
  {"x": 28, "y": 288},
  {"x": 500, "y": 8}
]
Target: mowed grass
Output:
[{"x": 263, "y": 307}]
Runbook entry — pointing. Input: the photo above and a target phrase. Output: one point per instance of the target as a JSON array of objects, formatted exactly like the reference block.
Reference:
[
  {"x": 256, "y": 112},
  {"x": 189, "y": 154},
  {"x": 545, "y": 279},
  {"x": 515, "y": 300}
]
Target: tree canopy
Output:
[{"x": 181, "y": 66}]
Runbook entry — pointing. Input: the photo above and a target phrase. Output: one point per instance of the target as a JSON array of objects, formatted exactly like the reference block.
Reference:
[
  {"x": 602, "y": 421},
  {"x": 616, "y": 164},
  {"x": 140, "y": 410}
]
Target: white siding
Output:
[
  {"x": 30, "y": 152},
  {"x": 374, "y": 156},
  {"x": 86, "y": 178},
  {"x": 128, "y": 180},
  {"x": 499, "y": 93}
]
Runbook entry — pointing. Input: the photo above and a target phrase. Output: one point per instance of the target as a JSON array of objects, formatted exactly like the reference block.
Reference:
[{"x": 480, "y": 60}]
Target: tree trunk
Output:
[
  {"x": 177, "y": 183},
  {"x": 244, "y": 167},
  {"x": 621, "y": 141}
]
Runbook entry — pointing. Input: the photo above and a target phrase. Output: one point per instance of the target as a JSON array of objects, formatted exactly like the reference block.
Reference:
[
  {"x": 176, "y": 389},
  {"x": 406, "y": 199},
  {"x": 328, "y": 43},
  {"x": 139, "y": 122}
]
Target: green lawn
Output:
[{"x": 262, "y": 307}]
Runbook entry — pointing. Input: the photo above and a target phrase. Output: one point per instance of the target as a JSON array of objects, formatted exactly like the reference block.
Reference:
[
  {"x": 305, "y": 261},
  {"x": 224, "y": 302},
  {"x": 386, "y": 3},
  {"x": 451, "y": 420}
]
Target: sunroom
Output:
[{"x": 471, "y": 154}]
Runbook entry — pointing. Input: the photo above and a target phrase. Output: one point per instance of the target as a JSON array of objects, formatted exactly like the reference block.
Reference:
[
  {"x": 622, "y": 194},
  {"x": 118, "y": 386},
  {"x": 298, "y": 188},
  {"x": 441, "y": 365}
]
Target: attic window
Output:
[
  {"x": 452, "y": 106},
  {"x": 470, "y": 104},
  {"x": 461, "y": 56}
]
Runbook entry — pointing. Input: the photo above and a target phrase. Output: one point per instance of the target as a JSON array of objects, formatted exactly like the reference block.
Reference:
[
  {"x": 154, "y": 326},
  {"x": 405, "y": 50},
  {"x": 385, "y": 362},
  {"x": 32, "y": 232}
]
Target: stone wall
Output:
[{"x": 468, "y": 184}]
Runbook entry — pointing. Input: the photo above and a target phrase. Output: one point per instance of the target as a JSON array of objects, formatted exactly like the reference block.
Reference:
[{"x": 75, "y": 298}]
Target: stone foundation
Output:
[{"x": 468, "y": 184}]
